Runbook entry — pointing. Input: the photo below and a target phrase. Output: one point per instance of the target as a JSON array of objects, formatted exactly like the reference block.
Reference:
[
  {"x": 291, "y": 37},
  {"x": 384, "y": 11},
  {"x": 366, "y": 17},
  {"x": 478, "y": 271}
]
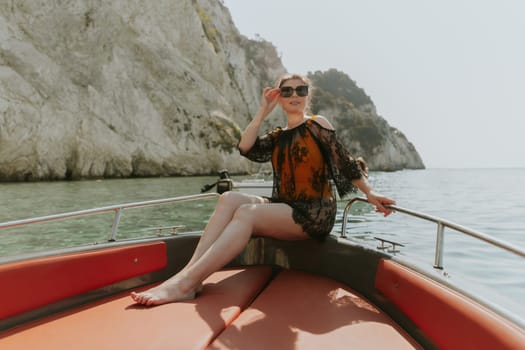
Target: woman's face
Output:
[{"x": 294, "y": 101}]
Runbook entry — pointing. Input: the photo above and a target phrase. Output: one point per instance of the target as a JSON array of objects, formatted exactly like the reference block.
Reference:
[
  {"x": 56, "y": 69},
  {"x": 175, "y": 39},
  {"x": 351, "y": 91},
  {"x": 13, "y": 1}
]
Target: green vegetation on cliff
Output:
[
  {"x": 364, "y": 133},
  {"x": 337, "y": 87}
]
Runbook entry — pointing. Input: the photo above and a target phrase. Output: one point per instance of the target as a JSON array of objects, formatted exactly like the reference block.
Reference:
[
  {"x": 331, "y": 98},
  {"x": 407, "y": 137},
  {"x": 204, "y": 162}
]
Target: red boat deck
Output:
[
  {"x": 241, "y": 308},
  {"x": 237, "y": 309},
  {"x": 303, "y": 311}
]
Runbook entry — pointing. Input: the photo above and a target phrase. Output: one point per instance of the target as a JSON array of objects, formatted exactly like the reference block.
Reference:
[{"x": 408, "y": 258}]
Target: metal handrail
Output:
[
  {"x": 438, "y": 261},
  {"x": 116, "y": 208}
]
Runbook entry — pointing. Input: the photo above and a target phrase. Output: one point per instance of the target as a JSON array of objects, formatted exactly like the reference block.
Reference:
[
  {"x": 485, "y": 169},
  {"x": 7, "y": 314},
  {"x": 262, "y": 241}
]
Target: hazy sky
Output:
[{"x": 449, "y": 74}]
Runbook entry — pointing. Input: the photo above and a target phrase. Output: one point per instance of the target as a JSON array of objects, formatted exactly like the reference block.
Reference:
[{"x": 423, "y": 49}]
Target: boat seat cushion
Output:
[
  {"x": 33, "y": 283},
  {"x": 299, "y": 310},
  {"x": 449, "y": 319},
  {"x": 118, "y": 323}
]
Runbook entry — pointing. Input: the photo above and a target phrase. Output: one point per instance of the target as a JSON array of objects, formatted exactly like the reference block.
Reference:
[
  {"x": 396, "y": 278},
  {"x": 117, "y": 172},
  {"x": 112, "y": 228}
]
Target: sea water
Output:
[{"x": 491, "y": 201}]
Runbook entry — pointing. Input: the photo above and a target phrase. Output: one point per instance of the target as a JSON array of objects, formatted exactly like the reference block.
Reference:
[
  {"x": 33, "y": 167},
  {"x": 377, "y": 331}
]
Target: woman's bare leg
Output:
[
  {"x": 272, "y": 220},
  {"x": 226, "y": 206}
]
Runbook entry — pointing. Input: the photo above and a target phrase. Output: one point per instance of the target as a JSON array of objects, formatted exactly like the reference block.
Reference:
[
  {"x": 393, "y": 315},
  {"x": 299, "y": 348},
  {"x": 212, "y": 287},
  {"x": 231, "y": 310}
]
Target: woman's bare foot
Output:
[{"x": 167, "y": 292}]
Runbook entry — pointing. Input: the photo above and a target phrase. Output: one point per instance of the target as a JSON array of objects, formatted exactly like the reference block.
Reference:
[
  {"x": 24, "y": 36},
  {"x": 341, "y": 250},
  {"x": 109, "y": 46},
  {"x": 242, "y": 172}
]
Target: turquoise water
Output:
[
  {"x": 487, "y": 200},
  {"x": 26, "y": 200}
]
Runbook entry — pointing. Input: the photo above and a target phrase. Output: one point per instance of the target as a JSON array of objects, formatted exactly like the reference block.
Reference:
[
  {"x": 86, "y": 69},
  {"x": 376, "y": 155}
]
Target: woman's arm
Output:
[
  {"x": 377, "y": 200},
  {"x": 249, "y": 135},
  {"x": 350, "y": 168}
]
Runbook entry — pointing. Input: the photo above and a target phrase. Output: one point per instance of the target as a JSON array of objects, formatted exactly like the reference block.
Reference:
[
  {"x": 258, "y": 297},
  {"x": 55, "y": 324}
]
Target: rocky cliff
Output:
[
  {"x": 364, "y": 132},
  {"x": 93, "y": 88}
]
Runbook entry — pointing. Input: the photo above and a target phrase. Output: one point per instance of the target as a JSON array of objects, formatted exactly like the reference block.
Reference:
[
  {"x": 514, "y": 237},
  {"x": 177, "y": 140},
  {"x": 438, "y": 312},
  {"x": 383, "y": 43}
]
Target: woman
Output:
[{"x": 304, "y": 155}]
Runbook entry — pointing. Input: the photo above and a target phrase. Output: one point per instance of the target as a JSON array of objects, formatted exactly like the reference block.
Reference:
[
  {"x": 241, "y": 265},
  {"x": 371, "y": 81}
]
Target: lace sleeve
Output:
[
  {"x": 344, "y": 168},
  {"x": 262, "y": 149}
]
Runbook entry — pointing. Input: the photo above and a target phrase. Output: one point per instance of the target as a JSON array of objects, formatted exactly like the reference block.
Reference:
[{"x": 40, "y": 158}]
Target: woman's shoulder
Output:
[{"x": 322, "y": 121}]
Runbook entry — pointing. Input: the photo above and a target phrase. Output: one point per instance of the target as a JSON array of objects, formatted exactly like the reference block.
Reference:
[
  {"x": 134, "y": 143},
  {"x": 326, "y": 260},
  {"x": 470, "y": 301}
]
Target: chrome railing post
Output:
[
  {"x": 347, "y": 210},
  {"x": 440, "y": 239},
  {"x": 345, "y": 216},
  {"x": 114, "y": 228}
]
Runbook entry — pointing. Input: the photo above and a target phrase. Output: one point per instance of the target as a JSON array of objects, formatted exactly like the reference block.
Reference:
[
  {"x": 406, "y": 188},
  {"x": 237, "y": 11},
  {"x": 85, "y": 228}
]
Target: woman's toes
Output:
[{"x": 165, "y": 293}]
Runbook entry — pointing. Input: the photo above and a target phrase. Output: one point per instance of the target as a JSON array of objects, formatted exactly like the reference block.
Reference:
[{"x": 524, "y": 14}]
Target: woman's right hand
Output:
[{"x": 270, "y": 97}]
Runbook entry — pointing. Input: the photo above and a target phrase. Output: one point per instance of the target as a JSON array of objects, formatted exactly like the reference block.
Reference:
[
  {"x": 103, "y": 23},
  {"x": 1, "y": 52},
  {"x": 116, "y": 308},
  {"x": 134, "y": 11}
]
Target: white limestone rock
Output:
[{"x": 92, "y": 88}]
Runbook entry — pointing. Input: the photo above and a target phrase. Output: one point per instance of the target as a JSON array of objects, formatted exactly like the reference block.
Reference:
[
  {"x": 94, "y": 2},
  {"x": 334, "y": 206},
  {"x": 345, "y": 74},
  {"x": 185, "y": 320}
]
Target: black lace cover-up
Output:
[{"x": 304, "y": 158}]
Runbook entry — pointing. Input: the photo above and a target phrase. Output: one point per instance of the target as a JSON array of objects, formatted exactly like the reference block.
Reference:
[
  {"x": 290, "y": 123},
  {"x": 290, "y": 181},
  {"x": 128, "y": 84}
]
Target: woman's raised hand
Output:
[{"x": 270, "y": 97}]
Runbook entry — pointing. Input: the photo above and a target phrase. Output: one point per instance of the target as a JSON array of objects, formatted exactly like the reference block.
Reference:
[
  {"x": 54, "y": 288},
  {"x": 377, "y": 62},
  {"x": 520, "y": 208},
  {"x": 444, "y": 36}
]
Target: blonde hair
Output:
[
  {"x": 293, "y": 76},
  {"x": 288, "y": 76}
]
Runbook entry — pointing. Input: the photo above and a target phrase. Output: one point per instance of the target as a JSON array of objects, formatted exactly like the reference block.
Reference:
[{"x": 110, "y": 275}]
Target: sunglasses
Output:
[{"x": 287, "y": 91}]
